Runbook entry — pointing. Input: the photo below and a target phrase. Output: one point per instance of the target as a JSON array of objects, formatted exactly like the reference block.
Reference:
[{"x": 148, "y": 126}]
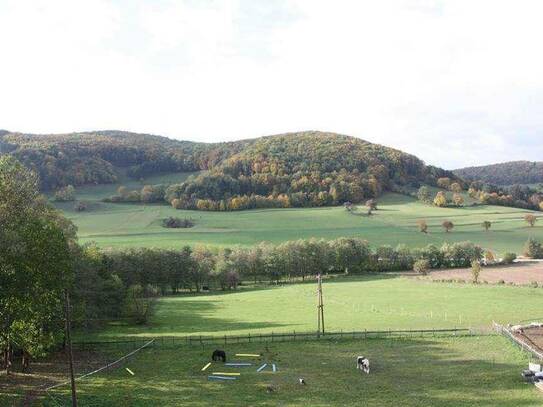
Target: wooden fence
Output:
[
  {"x": 174, "y": 341},
  {"x": 524, "y": 345}
]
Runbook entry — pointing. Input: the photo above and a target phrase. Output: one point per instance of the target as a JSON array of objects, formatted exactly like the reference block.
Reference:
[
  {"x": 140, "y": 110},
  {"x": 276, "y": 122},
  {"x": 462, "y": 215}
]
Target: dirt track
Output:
[
  {"x": 534, "y": 336},
  {"x": 521, "y": 273}
]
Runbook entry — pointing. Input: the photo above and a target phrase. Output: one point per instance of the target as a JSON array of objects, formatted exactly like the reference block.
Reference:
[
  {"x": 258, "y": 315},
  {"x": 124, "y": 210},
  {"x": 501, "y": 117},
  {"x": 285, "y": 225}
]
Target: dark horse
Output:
[{"x": 218, "y": 355}]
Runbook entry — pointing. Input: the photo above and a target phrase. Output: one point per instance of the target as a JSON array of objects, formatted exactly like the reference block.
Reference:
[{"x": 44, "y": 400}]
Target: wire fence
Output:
[
  {"x": 272, "y": 337},
  {"x": 524, "y": 345}
]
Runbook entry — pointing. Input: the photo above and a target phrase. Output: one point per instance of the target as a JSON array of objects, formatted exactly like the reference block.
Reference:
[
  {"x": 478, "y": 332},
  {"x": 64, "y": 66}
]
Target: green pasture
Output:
[
  {"x": 95, "y": 193},
  {"x": 374, "y": 302},
  {"x": 417, "y": 372},
  {"x": 136, "y": 225}
]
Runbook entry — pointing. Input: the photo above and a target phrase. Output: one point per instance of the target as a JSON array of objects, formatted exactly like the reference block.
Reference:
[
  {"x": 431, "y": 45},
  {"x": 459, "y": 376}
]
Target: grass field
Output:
[
  {"x": 371, "y": 302},
  {"x": 447, "y": 372},
  {"x": 131, "y": 225}
]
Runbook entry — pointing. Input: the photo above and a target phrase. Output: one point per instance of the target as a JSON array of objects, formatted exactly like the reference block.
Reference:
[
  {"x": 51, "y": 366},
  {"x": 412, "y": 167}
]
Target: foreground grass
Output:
[
  {"x": 462, "y": 371},
  {"x": 373, "y": 302},
  {"x": 133, "y": 225}
]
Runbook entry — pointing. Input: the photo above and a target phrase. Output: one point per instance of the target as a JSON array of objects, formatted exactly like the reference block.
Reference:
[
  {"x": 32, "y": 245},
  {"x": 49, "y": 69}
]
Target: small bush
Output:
[
  {"x": 65, "y": 194},
  {"x": 501, "y": 282},
  {"x": 509, "y": 258},
  {"x": 534, "y": 284},
  {"x": 533, "y": 249},
  {"x": 475, "y": 271},
  {"x": 421, "y": 266},
  {"x": 172, "y": 222}
]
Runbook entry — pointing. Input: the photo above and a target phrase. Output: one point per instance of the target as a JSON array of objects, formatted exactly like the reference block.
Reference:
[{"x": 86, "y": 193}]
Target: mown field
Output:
[
  {"x": 452, "y": 371},
  {"x": 375, "y": 302},
  {"x": 133, "y": 225}
]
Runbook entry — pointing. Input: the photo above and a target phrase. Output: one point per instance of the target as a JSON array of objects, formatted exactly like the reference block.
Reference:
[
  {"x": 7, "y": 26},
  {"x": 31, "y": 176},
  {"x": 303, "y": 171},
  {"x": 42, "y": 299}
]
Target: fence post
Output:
[{"x": 272, "y": 336}]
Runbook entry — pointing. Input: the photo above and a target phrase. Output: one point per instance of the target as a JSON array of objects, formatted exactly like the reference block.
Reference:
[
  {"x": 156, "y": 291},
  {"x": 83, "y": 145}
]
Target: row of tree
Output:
[
  {"x": 109, "y": 274},
  {"x": 517, "y": 196}
]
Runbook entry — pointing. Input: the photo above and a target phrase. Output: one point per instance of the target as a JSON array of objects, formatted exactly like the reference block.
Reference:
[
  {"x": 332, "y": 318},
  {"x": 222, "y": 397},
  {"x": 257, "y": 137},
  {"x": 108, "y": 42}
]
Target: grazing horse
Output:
[
  {"x": 219, "y": 355},
  {"x": 363, "y": 364}
]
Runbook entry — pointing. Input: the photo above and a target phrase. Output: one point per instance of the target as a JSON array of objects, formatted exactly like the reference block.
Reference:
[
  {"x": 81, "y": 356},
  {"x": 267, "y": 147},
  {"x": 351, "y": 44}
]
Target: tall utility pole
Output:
[
  {"x": 320, "y": 307},
  {"x": 69, "y": 346}
]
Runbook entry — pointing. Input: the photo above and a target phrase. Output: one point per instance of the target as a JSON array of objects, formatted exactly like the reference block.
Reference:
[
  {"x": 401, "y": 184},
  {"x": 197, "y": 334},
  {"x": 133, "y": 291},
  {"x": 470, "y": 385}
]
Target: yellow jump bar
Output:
[
  {"x": 206, "y": 366},
  {"x": 226, "y": 374},
  {"x": 250, "y": 355}
]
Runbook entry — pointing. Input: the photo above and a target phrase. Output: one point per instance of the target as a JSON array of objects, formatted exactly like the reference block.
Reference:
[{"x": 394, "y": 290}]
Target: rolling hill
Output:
[
  {"x": 508, "y": 173},
  {"x": 288, "y": 170}
]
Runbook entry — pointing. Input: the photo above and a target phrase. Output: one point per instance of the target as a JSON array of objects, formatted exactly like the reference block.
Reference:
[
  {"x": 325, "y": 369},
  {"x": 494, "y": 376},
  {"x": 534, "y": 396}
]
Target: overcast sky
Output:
[{"x": 454, "y": 82}]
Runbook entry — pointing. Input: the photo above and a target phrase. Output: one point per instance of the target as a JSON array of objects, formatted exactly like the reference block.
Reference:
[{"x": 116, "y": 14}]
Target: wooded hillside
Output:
[
  {"x": 295, "y": 169},
  {"x": 302, "y": 169},
  {"x": 95, "y": 157},
  {"x": 509, "y": 173}
]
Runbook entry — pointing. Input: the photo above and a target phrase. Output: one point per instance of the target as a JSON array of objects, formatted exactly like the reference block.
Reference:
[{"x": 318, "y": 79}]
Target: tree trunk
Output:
[
  {"x": 26, "y": 361},
  {"x": 7, "y": 358}
]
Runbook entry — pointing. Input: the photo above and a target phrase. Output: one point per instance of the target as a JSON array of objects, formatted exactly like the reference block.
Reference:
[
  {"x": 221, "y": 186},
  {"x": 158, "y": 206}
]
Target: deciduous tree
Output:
[
  {"x": 447, "y": 225},
  {"x": 531, "y": 219},
  {"x": 423, "y": 226},
  {"x": 440, "y": 199}
]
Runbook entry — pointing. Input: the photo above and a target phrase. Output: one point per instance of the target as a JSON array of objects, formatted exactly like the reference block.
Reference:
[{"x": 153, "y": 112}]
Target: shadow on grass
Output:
[
  {"x": 444, "y": 372},
  {"x": 177, "y": 316}
]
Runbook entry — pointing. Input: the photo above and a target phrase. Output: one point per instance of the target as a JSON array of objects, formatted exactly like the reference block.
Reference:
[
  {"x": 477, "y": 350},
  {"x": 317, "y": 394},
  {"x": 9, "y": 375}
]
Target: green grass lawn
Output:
[
  {"x": 372, "y": 302},
  {"x": 417, "y": 372},
  {"x": 132, "y": 225}
]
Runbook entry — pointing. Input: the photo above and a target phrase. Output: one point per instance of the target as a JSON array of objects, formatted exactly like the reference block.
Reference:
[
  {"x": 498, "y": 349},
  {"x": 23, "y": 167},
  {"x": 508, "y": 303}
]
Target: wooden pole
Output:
[
  {"x": 69, "y": 347},
  {"x": 320, "y": 307}
]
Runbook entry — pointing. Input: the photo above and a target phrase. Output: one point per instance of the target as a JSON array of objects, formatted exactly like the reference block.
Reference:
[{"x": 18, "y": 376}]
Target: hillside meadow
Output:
[
  {"x": 395, "y": 222},
  {"x": 373, "y": 302}
]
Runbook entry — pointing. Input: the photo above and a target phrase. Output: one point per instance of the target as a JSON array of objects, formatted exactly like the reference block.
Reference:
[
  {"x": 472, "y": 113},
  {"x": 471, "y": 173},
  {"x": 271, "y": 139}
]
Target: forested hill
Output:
[
  {"x": 296, "y": 169},
  {"x": 95, "y": 157},
  {"x": 509, "y": 173}
]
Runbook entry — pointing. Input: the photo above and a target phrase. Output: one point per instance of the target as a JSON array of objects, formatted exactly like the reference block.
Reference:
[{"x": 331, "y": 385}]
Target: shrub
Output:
[
  {"x": 421, "y": 266},
  {"x": 489, "y": 257},
  {"x": 172, "y": 222},
  {"x": 533, "y": 249},
  {"x": 509, "y": 258},
  {"x": 475, "y": 271},
  {"x": 65, "y": 194}
]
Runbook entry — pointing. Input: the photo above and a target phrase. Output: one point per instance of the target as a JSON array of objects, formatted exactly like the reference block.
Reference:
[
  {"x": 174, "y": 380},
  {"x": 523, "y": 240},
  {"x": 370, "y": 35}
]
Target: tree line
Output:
[
  {"x": 514, "y": 172},
  {"x": 517, "y": 196}
]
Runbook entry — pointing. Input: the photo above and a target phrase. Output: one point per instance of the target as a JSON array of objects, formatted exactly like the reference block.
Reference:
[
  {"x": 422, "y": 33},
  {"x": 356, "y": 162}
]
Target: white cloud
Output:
[{"x": 456, "y": 82}]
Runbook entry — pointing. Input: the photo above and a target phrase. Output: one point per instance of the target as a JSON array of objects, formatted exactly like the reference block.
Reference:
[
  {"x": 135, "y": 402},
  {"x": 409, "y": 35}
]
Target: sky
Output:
[{"x": 456, "y": 82}]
